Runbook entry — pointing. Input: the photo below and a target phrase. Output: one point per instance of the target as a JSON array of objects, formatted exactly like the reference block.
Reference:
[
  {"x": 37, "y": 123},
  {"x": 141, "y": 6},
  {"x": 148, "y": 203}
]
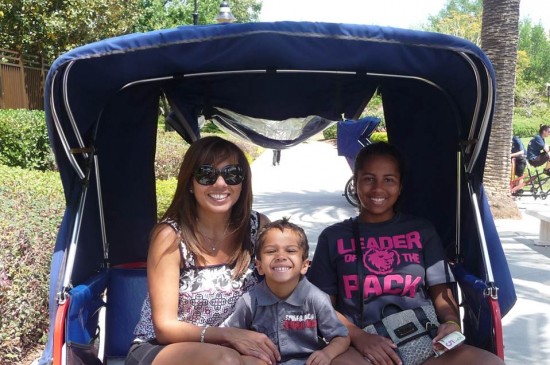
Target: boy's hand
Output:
[{"x": 318, "y": 358}]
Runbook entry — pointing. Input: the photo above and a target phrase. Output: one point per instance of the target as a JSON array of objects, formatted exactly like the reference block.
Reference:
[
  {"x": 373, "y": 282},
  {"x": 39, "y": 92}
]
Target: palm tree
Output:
[{"x": 499, "y": 40}]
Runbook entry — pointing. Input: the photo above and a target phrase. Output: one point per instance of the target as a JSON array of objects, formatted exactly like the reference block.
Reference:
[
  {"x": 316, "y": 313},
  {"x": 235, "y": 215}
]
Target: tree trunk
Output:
[{"x": 499, "y": 40}]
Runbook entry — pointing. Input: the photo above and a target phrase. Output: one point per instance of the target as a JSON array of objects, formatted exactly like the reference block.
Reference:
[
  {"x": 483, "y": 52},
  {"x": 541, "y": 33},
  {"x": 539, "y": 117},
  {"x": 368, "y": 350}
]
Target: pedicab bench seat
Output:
[{"x": 125, "y": 292}]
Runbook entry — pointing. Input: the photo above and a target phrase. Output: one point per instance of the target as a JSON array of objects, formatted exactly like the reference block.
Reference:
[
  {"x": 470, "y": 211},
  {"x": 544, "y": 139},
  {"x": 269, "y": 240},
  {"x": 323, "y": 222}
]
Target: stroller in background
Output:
[{"x": 352, "y": 135}]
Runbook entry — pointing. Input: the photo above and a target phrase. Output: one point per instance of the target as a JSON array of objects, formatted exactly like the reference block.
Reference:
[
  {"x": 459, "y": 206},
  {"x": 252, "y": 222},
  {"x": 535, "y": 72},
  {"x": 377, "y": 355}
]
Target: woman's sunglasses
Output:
[{"x": 208, "y": 174}]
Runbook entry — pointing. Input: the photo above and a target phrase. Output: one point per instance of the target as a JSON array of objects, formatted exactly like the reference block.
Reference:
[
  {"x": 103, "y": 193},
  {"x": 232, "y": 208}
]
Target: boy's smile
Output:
[{"x": 281, "y": 261}]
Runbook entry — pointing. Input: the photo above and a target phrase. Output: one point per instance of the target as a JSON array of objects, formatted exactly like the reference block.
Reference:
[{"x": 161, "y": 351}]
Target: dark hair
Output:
[
  {"x": 543, "y": 127},
  {"x": 283, "y": 224},
  {"x": 183, "y": 209},
  {"x": 379, "y": 149}
]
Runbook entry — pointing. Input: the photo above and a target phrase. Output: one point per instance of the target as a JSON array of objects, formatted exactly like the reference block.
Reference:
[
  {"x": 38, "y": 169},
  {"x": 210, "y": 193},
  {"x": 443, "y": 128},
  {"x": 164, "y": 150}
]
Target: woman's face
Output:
[
  {"x": 220, "y": 196},
  {"x": 378, "y": 187}
]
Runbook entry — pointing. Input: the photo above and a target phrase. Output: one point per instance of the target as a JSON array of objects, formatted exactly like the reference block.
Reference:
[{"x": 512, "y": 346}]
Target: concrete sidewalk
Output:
[{"x": 308, "y": 186}]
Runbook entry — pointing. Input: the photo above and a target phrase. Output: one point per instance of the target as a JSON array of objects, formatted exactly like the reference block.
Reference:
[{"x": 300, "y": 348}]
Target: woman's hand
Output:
[
  {"x": 377, "y": 349},
  {"x": 254, "y": 344}
]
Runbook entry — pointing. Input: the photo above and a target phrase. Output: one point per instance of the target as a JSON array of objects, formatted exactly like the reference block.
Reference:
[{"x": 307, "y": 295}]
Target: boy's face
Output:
[{"x": 280, "y": 258}]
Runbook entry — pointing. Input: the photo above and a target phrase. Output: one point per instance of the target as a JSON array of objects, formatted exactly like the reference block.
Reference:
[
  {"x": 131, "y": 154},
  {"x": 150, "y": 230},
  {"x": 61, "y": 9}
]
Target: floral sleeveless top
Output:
[{"x": 207, "y": 294}]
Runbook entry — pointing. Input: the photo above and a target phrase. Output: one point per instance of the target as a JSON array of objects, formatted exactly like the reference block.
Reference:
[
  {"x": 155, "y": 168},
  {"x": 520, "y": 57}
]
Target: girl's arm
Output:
[
  {"x": 446, "y": 309},
  {"x": 377, "y": 349},
  {"x": 338, "y": 345}
]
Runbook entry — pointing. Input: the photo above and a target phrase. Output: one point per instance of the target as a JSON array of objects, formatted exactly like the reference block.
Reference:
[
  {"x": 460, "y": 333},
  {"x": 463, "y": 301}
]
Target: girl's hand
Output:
[
  {"x": 444, "y": 329},
  {"x": 253, "y": 344},
  {"x": 377, "y": 349}
]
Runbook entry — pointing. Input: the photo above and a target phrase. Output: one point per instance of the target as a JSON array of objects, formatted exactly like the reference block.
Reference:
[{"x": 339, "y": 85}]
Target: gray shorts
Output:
[{"x": 143, "y": 353}]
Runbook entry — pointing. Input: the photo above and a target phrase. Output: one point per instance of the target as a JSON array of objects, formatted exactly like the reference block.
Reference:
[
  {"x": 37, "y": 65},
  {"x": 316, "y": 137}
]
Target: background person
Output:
[
  {"x": 538, "y": 151},
  {"x": 402, "y": 260},
  {"x": 519, "y": 156},
  {"x": 285, "y": 305},
  {"x": 200, "y": 262},
  {"x": 276, "y": 157}
]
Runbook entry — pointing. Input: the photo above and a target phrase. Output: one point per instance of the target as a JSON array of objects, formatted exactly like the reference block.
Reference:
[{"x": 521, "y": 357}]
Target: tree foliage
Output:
[
  {"x": 533, "y": 40},
  {"x": 49, "y": 28},
  {"x": 160, "y": 14},
  {"x": 52, "y": 27},
  {"x": 461, "y": 18}
]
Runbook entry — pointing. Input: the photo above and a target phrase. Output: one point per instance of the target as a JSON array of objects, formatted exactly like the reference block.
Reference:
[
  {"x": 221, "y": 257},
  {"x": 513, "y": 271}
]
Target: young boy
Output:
[{"x": 292, "y": 312}]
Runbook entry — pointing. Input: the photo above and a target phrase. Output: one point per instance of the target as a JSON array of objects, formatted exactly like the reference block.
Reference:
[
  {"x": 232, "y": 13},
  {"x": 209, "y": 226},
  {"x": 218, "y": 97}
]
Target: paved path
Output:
[{"x": 308, "y": 186}]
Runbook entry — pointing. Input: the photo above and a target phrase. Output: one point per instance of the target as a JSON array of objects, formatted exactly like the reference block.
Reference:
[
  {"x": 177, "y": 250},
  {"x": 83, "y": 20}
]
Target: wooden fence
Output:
[{"x": 21, "y": 81}]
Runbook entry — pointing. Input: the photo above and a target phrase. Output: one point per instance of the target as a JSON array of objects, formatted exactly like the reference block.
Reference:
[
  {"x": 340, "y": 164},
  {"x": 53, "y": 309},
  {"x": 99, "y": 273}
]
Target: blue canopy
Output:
[{"x": 102, "y": 108}]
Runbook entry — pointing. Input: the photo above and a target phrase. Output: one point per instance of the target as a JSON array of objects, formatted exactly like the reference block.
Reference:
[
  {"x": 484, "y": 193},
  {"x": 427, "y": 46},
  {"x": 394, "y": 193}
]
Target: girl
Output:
[{"x": 402, "y": 263}]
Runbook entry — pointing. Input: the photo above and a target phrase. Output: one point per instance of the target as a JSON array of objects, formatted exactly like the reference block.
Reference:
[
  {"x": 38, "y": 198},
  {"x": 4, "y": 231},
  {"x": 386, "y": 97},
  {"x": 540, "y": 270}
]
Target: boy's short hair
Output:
[{"x": 283, "y": 224}]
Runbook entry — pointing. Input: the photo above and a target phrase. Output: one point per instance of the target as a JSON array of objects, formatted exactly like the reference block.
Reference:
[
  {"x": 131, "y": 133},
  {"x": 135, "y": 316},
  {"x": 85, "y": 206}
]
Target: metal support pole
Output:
[{"x": 195, "y": 13}]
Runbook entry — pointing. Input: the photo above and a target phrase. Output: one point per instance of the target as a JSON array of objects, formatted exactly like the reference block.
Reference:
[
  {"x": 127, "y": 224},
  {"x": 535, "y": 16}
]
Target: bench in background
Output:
[{"x": 544, "y": 231}]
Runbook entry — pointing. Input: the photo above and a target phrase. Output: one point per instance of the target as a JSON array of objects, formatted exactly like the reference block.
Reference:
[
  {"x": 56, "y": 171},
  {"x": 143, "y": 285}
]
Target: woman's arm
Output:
[{"x": 163, "y": 272}]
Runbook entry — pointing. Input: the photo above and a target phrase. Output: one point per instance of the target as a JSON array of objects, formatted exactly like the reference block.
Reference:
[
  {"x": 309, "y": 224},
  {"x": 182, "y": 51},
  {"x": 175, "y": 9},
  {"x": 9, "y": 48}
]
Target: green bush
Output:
[
  {"x": 379, "y": 137},
  {"x": 527, "y": 124},
  {"x": 330, "y": 132},
  {"x": 170, "y": 150},
  {"x": 210, "y": 127},
  {"x": 24, "y": 139},
  {"x": 165, "y": 193},
  {"x": 31, "y": 206}
]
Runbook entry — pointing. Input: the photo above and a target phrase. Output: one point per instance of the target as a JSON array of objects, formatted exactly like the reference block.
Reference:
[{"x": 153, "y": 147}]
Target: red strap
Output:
[
  {"x": 497, "y": 327},
  {"x": 59, "y": 330},
  {"x": 132, "y": 265}
]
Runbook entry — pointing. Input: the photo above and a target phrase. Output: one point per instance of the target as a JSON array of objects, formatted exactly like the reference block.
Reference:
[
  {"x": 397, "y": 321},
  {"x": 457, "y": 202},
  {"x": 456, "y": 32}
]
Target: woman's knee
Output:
[
  {"x": 197, "y": 354},
  {"x": 228, "y": 356}
]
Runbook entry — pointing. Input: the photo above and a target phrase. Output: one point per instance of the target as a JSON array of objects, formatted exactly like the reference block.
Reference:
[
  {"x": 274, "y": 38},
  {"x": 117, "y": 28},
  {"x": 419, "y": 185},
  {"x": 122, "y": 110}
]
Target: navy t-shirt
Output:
[
  {"x": 401, "y": 258},
  {"x": 535, "y": 146}
]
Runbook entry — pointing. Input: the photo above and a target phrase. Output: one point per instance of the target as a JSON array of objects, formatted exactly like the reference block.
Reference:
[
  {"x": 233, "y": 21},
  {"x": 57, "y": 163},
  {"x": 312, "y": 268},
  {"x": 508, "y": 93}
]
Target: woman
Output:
[
  {"x": 538, "y": 152},
  {"x": 403, "y": 264},
  {"x": 200, "y": 262}
]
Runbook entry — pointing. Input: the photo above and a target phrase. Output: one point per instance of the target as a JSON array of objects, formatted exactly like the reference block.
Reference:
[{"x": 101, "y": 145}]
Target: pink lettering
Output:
[
  {"x": 399, "y": 241},
  {"x": 403, "y": 241},
  {"x": 371, "y": 242},
  {"x": 410, "y": 286},
  {"x": 414, "y": 238},
  {"x": 390, "y": 284},
  {"x": 349, "y": 258},
  {"x": 350, "y": 285},
  {"x": 389, "y": 287},
  {"x": 342, "y": 249},
  {"x": 372, "y": 286},
  {"x": 386, "y": 242},
  {"x": 411, "y": 257}
]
